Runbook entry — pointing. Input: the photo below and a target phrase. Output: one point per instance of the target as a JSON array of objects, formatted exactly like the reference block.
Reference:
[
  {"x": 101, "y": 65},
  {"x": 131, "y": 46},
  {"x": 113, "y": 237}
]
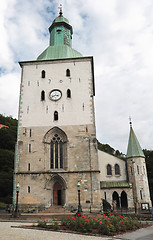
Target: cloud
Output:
[{"x": 119, "y": 34}]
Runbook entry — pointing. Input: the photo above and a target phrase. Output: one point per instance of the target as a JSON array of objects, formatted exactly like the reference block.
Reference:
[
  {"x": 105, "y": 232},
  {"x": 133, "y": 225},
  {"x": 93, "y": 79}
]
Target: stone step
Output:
[{"x": 55, "y": 209}]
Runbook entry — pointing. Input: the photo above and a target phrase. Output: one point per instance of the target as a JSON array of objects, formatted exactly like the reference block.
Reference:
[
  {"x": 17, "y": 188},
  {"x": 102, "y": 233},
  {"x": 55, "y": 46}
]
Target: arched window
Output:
[
  {"x": 43, "y": 74},
  {"x": 131, "y": 170},
  {"x": 55, "y": 141},
  {"x": 42, "y": 95},
  {"x": 68, "y": 93},
  {"x": 30, "y": 133},
  {"x": 124, "y": 200},
  {"x": 141, "y": 194},
  {"x": 115, "y": 197},
  {"x": 55, "y": 116},
  {"x": 117, "y": 169},
  {"x": 109, "y": 169},
  {"x": 68, "y": 72},
  {"x": 29, "y": 147},
  {"x": 28, "y": 189},
  {"x": 28, "y": 166},
  {"x": 137, "y": 169},
  {"x": 57, "y": 151}
]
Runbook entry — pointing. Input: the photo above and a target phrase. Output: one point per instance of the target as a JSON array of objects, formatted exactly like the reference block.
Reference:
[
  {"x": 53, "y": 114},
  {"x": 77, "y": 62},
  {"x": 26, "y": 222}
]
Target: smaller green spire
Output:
[{"x": 134, "y": 148}]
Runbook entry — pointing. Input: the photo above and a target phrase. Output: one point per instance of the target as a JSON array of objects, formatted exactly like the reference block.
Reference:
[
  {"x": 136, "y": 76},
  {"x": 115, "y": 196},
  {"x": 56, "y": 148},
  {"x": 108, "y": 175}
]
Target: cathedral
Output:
[{"x": 56, "y": 142}]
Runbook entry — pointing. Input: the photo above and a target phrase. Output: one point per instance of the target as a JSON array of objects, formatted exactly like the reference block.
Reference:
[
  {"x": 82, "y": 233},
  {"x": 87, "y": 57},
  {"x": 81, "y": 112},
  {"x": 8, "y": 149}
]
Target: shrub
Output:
[
  {"x": 106, "y": 225},
  {"x": 3, "y": 205}
]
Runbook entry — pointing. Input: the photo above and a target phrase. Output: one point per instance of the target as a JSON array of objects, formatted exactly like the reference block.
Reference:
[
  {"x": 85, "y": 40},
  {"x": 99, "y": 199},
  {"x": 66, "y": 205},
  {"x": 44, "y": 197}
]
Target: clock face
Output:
[{"x": 55, "y": 95}]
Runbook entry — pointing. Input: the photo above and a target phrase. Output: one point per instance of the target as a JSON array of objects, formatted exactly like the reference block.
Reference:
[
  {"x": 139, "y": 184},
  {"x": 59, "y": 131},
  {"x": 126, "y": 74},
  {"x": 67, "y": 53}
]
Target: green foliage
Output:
[
  {"x": 108, "y": 149},
  {"x": 7, "y": 148},
  {"x": 106, "y": 206},
  {"x": 42, "y": 224},
  {"x": 106, "y": 225},
  {"x": 8, "y": 135},
  {"x": 105, "y": 148},
  {"x": 2, "y": 205}
]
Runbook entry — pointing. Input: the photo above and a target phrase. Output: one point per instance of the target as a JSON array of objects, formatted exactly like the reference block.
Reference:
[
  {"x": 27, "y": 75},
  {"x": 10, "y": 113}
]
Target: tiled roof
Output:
[{"x": 118, "y": 184}]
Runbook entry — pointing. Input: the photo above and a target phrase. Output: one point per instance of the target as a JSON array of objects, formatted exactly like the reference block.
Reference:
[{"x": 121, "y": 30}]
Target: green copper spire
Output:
[
  {"x": 60, "y": 40},
  {"x": 134, "y": 148}
]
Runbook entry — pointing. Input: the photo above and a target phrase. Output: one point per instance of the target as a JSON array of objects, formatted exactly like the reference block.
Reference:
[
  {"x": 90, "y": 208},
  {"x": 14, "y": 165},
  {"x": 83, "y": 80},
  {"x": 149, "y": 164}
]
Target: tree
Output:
[
  {"x": 7, "y": 149},
  {"x": 149, "y": 165}
]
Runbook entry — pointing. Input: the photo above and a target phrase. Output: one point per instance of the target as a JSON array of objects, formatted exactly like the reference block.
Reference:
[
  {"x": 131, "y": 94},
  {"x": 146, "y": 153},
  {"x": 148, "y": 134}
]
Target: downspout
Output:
[
  {"x": 17, "y": 145},
  {"x": 90, "y": 175}
]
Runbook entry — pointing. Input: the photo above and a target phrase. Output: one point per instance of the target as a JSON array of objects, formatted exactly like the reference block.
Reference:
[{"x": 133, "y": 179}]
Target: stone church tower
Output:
[
  {"x": 137, "y": 173},
  {"x": 56, "y": 144}
]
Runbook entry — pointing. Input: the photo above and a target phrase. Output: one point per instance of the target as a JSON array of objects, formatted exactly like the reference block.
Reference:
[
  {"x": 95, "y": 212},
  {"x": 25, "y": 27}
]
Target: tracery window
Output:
[
  {"x": 109, "y": 169},
  {"x": 56, "y": 152},
  {"x": 117, "y": 169},
  {"x": 55, "y": 148}
]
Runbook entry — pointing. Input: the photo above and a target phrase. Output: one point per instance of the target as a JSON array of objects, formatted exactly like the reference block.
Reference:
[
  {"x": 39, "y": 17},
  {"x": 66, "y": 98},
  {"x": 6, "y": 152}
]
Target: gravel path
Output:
[{"x": 9, "y": 233}]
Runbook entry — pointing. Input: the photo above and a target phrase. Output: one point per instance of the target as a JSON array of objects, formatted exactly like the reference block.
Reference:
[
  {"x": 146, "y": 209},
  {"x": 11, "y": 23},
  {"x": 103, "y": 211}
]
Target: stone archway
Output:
[
  {"x": 124, "y": 201},
  {"x": 116, "y": 198},
  {"x": 58, "y": 190}
]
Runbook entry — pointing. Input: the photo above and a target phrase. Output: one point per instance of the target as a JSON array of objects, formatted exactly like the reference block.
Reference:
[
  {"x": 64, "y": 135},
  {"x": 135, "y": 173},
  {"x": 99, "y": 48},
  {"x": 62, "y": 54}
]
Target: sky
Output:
[{"x": 117, "y": 33}]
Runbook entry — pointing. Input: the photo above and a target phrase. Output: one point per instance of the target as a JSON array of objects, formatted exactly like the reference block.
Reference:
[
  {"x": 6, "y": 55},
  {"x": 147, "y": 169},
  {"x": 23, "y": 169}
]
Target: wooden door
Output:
[{"x": 57, "y": 194}]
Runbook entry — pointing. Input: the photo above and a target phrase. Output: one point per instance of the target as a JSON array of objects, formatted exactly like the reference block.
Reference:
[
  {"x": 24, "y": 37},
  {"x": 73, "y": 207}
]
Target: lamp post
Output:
[
  {"x": 17, "y": 197},
  {"x": 79, "y": 204}
]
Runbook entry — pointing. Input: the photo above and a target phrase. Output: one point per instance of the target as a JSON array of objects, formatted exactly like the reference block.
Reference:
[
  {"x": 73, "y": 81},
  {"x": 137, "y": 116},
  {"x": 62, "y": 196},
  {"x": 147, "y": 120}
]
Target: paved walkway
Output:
[
  {"x": 141, "y": 234},
  {"x": 9, "y": 233}
]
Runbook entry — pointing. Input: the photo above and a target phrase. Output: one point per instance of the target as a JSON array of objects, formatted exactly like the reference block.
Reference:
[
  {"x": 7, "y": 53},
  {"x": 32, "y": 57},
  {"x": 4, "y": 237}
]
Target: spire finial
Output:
[
  {"x": 60, "y": 12},
  {"x": 130, "y": 121}
]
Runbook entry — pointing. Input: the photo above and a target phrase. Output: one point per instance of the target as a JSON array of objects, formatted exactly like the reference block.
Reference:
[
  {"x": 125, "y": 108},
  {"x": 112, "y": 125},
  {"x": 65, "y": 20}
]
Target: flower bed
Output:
[{"x": 106, "y": 225}]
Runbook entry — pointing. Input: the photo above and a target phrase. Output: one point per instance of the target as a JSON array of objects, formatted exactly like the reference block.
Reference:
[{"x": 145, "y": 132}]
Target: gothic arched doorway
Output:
[
  {"x": 116, "y": 197},
  {"x": 57, "y": 194},
  {"x": 124, "y": 201}
]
